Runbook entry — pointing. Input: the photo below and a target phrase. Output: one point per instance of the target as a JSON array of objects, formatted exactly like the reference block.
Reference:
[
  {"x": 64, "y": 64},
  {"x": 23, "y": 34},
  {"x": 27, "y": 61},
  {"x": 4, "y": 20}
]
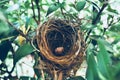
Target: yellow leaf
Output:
[{"x": 21, "y": 40}]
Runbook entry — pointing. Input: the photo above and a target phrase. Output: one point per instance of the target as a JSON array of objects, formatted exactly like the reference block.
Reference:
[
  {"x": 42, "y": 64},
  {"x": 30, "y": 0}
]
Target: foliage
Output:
[{"x": 100, "y": 24}]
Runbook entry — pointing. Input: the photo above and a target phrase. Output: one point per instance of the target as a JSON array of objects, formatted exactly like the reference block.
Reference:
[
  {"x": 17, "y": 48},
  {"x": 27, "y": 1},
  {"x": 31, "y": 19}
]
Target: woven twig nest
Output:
[{"x": 61, "y": 46}]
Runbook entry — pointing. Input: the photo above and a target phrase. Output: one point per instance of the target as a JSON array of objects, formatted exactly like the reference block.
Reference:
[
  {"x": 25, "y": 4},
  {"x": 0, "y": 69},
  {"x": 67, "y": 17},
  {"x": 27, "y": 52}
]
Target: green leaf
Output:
[
  {"x": 2, "y": 17},
  {"x": 6, "y": 32},
  {"x": 72, "y": 5},
  {"x": 76, "y": 78},
  {"x": 80, "y": 5},
  {"x": 101, "y": 1},
  {"x": 5, "y": 46},
  {"x": 22, "y": 51},
  {"x": 3, "y": 1},
  {"x": 116, "y": 71},
  {"x": 103, "y": 60},
  {"x": 104, "y": 52},
  {"x": 3, "y": 24},
  {"x": 62, "y": 5},
  {"x": 112, "y": 10},
  {"x": 107, "y": 45},
  {"x": 115, "y": 28},
  {"x": 92, "y": 71},
  {"x": 4, "y": 27},
  {"x": 116, "y": 40},
  {"x": 52, "y": 8},
  {"x": 27, "y": 22},
  {"x": 8, "y": 35},
  {"x": 3, "y": 6},
  {"x": 102, "y": 66},
  {"x": 110, "y": 17}
]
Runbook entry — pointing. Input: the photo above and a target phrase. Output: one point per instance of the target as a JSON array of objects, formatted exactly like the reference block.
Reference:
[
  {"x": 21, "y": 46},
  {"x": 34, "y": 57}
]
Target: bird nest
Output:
[{"x": 61, "y": 46}]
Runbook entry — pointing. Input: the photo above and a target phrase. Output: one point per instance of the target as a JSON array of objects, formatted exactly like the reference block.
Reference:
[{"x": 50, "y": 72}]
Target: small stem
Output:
[{"x": 109, "y": 24}]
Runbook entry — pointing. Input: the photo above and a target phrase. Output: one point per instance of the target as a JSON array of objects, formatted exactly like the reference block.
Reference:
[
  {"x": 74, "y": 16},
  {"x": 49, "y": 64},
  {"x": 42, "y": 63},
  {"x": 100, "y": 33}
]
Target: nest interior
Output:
[
  {"x": 60, "y": 36},
  {"x": 60, "y": 44}
]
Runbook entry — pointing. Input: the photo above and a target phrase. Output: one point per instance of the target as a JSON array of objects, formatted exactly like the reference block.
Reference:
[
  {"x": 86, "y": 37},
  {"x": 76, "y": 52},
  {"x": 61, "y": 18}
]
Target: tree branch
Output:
[{"x": 95, "y": 20}]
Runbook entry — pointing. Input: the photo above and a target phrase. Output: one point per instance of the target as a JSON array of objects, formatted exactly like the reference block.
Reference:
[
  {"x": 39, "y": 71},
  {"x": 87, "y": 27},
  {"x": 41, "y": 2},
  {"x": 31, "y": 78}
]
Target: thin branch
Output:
[
  {"x": 13, "y": 53},
  {"x": 110, "y": 24},
  {"x": 19, "y": 31},
  {"x": 34, "y": 12},
  {"x": 95, "y": 20},
  {"x": 38, "y": 8},
  {"x": 61, "y": 10},
  {"x": 98, "y": 15}
]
